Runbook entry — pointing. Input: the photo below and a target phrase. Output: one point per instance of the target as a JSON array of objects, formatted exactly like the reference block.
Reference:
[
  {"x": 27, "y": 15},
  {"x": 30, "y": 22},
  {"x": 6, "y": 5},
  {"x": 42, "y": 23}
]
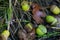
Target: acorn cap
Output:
[{"x": 55, "y": 9}]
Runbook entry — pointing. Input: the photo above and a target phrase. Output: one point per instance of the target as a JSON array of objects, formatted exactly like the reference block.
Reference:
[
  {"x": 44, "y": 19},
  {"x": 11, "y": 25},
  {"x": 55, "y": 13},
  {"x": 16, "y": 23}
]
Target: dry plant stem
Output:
[
  {"x": 58, "y": 1},
  {"x": 28, "y": 15},
  {"x": 20, "y": 26},
  {"x": 30, "y": 2},
  {"x": 9, "y": 21},
  {"x": 1, "y": 22},
  {"x": 8, "y": 25},
  {"x": 10, "y": 3},
  {"x": 56, "y": 28},
  {"x": 15, "y": 2}
]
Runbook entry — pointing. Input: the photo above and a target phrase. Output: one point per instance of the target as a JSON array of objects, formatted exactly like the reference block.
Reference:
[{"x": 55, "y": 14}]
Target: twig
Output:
[{"x": 15, "y": 2}]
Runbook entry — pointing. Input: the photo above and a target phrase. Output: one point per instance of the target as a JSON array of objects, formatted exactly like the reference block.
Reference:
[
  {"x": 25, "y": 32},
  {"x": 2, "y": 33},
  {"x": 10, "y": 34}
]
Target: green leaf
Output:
[{"x": 9, "y": 13}]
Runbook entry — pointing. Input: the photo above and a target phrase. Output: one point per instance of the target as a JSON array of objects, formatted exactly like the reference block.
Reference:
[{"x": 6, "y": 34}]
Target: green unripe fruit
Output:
[
  {"x": 55, "y": 9},
  {"x": 41, "y": 30},
  {"x": 4, "y": 35},
  {"x": 54, "y": 22},
  {"x": 25, "y": 6},
  {"x": 59, "y": 10},
  {"x": 28, "y": 27},
  {"x": 51, "y": 19}
]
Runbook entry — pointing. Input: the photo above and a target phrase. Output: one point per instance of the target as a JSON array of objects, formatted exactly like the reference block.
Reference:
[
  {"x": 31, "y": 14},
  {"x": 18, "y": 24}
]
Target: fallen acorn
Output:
[
  {"x": 41, "y": 30},
  {"x": 25, "y": 6},
  {"x": 51, "y": 19},
  {"x": 28, "y": 27},
  {"x": 4, "y": 35},
  {"x": 55, "y": 9}
]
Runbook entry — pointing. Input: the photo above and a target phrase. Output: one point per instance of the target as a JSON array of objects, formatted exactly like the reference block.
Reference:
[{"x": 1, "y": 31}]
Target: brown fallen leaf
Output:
[
  {"x": 37, "y": 19},
  {"x": 26, "y": 36},
  {"x": 37, "y": 14},
  {"x": 35, "y": 7},
  {"x": 22, "y": 35},
  {"x": 31, "y": 35}
]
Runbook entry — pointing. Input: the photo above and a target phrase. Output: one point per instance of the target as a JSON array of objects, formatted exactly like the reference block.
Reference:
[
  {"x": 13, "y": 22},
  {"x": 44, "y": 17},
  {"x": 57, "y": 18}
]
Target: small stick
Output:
[
  {"x": 15, "y": 2},
  {"x": 8, "y": 25}
]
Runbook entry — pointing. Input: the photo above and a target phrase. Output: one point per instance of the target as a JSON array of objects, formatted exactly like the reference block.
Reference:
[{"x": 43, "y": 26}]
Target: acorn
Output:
[
  {"x": 4, "y": 35},
  {"x": 28, "y": 27},
  {"x": 41, "y": 30},
  {"x": 25, "y": 6},
  {"x": 55, "y": 9},
  {"x": 59, "y": 10},
  {"x": 51, "y": 19}
]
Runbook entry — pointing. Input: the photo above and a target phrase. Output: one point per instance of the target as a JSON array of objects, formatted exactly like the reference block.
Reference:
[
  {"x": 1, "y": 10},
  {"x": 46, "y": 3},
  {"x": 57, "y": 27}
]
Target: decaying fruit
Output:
[
  {"x": 25, "y": 6},
  {"x": 55, "y": 9},
  {"x": 41, "y": 30},
  {"x": 51, "y": 19}
]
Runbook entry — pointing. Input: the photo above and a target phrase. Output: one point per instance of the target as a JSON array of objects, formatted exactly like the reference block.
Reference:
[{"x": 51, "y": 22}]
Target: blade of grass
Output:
[{"x": 9, "y": 13}]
